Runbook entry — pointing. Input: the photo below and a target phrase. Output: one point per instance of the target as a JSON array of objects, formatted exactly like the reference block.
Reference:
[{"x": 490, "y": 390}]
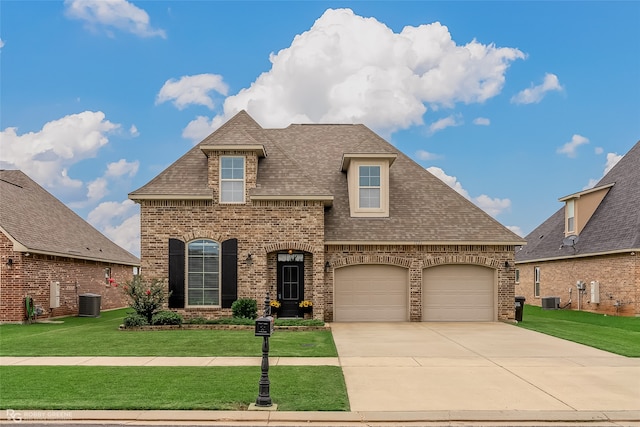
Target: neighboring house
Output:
[
  {"x": 51, "y": 255},
  {"x": 332, "y": 214},
  {"x": 587, "y": 254}
]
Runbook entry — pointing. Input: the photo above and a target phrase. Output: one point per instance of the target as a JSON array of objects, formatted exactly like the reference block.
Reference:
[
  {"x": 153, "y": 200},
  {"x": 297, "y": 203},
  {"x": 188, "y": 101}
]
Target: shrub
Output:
[
  {"x": 245, "y": 307},
  {"x": 146, "y": 298},
  {"x": 133, "y": 320},
  {"x": 166, "y": 317}
]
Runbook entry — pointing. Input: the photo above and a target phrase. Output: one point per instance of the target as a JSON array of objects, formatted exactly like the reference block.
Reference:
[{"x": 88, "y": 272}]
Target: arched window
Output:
[{"x": 203, "y": 273}]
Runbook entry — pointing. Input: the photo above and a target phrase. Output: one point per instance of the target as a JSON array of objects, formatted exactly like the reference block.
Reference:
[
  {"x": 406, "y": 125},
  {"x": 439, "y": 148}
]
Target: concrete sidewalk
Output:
[{"x": 425, "y": 374}]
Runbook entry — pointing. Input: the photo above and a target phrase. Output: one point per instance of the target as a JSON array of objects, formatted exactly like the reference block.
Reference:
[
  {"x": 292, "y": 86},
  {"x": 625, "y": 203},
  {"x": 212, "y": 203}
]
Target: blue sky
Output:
[{"x": 513, "y": 104}]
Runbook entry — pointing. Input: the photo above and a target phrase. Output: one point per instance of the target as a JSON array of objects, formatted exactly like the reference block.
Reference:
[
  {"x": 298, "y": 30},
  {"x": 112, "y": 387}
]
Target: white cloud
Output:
[
  {"x": 492, "y": 206},
  {"x": 1, "y": 43},
  {"x": 425, "y": 155},
  {"x": 192, "y": 90},
  {"x": 481, "y": 121},
  {"x": 570, "y": 148},
  {"x": 120, "y": 222},
  {"x": 201, "y": 127},
  {"x": 534, "y": 94},
  {"x": 97, "y": 189},
  {"x": 119, "y": 14},
  {"x": 47, "y": 154},
  {"x": 441, "y": 124},
  {"x": 347, "y": 68},
  {"x": 133, "y": 131},
  {"x": 122, "y": 168},
  {"x": 612, "y": 160},
  {"x": 598, "y": 150}
]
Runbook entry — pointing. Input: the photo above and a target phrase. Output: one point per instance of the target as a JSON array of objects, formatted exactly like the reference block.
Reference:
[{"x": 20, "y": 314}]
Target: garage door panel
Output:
[
  {"x": 458, "y": 293},
  {"x": 366, "y": 293}
]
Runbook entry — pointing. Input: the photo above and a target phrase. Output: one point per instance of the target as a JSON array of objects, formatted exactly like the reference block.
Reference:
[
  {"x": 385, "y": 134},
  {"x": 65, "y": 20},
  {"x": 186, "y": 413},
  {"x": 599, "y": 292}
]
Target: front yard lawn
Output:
[
  {"x": 616, "y": 334},
  {"x": 293, "y": 388},
  {"x": 88, "y": 336}
]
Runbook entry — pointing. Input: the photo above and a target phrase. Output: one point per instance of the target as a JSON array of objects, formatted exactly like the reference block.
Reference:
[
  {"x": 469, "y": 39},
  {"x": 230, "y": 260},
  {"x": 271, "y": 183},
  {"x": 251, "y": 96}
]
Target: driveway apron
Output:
[{"x": 479, "y": 366}]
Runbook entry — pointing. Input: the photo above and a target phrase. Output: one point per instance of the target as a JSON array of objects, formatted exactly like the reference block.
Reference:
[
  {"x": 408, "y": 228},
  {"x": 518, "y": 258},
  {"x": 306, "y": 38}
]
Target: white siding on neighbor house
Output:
[
  {"x": 371, "y": 293},
  {"x": 458, "y": 293}
]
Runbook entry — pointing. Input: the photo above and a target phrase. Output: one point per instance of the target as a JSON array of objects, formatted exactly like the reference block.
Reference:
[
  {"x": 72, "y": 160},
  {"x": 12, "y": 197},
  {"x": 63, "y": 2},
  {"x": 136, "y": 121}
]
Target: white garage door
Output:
[
  {"x": 371, "y": 293},
  {"x": 463, "y": 293}
]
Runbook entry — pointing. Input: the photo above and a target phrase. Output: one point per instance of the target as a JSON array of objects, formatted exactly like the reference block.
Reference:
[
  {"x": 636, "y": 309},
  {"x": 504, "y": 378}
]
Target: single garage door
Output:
[
  {"x": 458, "y": 293},
  {"x": 371, "y": 293}
]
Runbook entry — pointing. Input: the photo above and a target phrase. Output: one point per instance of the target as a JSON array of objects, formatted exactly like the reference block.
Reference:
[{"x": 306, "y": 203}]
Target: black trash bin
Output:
[
  {"x": 89, "y": 305},
  {"x": 519, "y": 308}
]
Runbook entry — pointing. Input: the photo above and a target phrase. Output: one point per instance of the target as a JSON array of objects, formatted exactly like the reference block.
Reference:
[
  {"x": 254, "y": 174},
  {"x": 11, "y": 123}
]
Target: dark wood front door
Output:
[{"x": 290, "y": 287}]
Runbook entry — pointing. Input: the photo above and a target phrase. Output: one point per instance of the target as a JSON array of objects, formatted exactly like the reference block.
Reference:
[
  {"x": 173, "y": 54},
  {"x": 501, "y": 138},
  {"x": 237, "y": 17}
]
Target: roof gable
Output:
[
  {"x": 613, "y": 227},
  {"x": 38, "y": 222}
]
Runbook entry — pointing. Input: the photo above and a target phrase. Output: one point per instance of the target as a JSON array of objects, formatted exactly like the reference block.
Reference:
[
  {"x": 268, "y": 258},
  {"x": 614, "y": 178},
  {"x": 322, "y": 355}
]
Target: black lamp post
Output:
[{"x": 264, "y": 329}]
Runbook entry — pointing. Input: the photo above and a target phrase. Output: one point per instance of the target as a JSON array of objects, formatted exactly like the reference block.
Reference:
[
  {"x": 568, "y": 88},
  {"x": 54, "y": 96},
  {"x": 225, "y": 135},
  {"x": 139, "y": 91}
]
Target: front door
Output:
[{"x": 290, "y": 285}]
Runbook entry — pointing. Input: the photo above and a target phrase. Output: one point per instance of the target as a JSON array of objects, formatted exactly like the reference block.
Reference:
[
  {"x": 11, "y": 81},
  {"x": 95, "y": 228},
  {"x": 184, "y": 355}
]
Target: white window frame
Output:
[
  {"x": 571, "y": 217},
  {"x": 224, "y": 180},
  {"x": 517, "y": 276},
  {"x": 353, "y": 178},
  {"x": 362, "y": 188},
  {"x": 216, "y": 285},
  {"x": 536, "y": 282}
]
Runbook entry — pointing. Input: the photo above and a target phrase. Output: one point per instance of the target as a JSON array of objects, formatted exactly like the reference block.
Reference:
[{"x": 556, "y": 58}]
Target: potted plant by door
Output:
[
  {"x": 275, "y": 307},
  {"x": 305, "y": 307}
]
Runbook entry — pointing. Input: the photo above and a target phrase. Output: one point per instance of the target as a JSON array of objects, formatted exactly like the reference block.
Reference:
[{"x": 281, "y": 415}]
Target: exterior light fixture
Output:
[
  {"x": 327, "y": 267},
  {"x": 9, "y": 262},
  {"x": 249, "y": 259}
]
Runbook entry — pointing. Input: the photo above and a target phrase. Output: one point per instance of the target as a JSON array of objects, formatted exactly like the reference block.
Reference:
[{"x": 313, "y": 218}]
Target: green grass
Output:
[
  {"x": 293, "y": 388},
  {"x": 616, "y": 334},
  {"x": 88, "y": 336}
]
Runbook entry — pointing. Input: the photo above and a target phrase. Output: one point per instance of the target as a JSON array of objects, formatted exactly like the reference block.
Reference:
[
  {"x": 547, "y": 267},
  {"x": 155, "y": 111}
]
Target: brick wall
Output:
[
  {"x": 32, "y": 276},
  {"x": 419, "y": 257},
  {"x": 262, "y": 228},
  {"x": 617, "y": 274}
]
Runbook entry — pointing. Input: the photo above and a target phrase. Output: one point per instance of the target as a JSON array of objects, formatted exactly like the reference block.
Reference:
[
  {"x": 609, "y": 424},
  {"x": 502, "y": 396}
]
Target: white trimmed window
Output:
[
  {"x": 203, "y": 273},
  {"x": 570, "y": 211},
  {"x": 369, "y": 187},
  {"x": 232, "y": 179},
  {"x": 536, "y": 282}
]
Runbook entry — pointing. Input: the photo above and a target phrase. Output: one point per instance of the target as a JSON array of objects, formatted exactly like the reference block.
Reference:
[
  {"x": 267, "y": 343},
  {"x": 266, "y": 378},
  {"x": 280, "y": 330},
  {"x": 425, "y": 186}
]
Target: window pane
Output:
[
  {"x": 203, "y": 265},
  {"x": 232, "y": 191},
  {"x": 369, "y": 176},
  {"x": 369, "y": 197},
  {"x": 232, "y": 167}
]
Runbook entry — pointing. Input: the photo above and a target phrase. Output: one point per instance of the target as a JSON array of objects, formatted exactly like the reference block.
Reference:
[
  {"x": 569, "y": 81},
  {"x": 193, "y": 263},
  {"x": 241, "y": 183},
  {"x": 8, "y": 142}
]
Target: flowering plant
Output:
[
  {"x": 305, "y": 304},
  {"x": 146, "y": 298},
  {"x": 275, "y": 303}
]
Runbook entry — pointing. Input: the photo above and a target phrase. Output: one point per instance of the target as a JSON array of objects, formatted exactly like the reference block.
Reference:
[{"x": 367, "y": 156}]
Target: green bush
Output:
[
  {"x": 245, "y": 307},
  {"x": 146, "y": 298},
  {"x": 133, "y": 320},
  {"x": 166, "y": 317}
]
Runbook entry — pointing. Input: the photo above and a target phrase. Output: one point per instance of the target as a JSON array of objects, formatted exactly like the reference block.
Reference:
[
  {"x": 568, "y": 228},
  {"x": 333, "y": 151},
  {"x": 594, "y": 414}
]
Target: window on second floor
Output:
[
  {"x": 369, "y": 187},
  {"x": 570, "y": 215},
  {"x": 232, "y": 179}
]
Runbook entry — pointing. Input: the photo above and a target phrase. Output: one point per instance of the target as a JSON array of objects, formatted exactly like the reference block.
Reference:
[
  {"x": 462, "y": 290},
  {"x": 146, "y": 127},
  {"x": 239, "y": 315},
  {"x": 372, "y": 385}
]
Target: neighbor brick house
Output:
[
  {"x": 586, "y": 256},
  {"x": 333, "y": 214},
  {"x": 51, "y": 255}
]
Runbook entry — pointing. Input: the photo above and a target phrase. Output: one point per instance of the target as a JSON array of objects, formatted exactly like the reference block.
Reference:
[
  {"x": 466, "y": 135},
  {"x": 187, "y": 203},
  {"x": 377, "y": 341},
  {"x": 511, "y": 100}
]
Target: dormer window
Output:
[
  {"x": 368, "y": 182},
  {"x": 570, "y": 216},
  {"x": 232, "y": 179},
  {"x": 369, "y": 187}
]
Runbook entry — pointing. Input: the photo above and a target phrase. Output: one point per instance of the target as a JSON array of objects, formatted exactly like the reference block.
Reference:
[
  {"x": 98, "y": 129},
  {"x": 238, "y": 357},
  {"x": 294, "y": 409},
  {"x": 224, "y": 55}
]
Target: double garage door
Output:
[{"x": 380, "y": 293}]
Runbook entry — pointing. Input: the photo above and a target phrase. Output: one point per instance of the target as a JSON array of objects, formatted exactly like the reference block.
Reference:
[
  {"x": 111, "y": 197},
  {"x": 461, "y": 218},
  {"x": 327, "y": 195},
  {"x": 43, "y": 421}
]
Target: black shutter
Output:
[
  {"x": 229, "y": 272},
  {"x": 176, "y": 273}
]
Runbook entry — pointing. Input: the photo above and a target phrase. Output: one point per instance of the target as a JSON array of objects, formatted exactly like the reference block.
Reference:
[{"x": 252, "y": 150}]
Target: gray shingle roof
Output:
[
  {"x": 306, "y": 160},
  {"x": 35, "y": 219},
  {"x": 614, "y": 226}
]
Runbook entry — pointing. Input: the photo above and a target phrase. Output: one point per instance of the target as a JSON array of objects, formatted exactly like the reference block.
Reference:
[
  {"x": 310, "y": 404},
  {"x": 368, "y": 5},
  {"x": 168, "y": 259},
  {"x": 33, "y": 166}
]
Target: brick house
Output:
[
  {"x": 331, "y": 214},
  {"x": 50, "y": 254},
  {"x": 586, "y": 256}
]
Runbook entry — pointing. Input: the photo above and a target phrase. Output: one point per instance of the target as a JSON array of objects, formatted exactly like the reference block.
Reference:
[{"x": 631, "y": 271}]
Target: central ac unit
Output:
[{"x": 551, "y": 303}]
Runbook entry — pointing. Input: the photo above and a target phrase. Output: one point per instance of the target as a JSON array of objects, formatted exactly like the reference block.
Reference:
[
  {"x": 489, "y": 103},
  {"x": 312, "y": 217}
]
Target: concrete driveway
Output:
[{"x": 479, "y": 367}]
